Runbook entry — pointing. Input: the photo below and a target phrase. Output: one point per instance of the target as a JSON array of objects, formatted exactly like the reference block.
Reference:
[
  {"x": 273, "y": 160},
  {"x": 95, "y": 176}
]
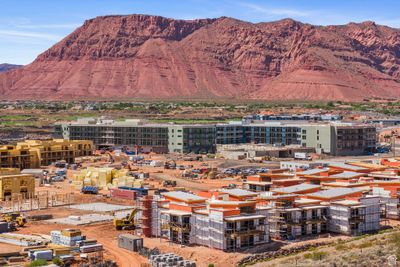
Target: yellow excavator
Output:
[
  {"x": 16, "y": 218},
  {"x": 127, "y": 223}
]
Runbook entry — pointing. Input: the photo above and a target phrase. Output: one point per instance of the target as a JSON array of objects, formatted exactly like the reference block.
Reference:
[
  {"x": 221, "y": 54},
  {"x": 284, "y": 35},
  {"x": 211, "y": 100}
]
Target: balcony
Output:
[
  {"x": 356, "y": 218},
  {"x": 312, "y": 219},
  {"x": 245, "y": 230}
]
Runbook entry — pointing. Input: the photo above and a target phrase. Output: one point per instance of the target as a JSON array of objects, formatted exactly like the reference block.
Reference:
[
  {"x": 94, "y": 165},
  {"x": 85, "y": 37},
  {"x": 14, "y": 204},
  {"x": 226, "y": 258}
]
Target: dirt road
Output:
[{"x": 196, "y": 185}]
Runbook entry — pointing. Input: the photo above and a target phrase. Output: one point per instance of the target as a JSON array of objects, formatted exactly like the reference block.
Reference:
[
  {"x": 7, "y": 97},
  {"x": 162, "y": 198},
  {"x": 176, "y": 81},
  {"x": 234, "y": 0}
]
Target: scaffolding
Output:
[
  {"x": 178, "y": 228},
  {"x": 355, "y": 219},
  {"x": 279, "y": 221},
  {"x": 288, "y": 222},
  {"x": 146, "y": 215},
  {"x": 207, "y": 231},
  {"x": 245, "y": 233}
]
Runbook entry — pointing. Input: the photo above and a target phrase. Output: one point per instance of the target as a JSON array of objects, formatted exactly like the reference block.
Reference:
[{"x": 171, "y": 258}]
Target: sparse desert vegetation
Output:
[{"x": 364, "y": 251}]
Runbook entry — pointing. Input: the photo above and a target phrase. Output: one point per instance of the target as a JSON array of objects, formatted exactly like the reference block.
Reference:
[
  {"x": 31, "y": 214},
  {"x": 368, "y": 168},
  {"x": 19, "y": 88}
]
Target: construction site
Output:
[{"x": 112, "y": 208}]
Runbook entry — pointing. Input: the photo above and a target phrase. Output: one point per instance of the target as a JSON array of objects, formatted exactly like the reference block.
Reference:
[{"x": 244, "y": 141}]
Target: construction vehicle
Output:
[
  {"x": 232, "y": 186},
  {"x": 171, "y": 164},
  {"x": 127, "y": 223},
  {"x": 61, "y": 164},
  {"x": 211, "y": 174},
  {"x": 169, "y": 183},
  {"x": 15, "y": 217}
]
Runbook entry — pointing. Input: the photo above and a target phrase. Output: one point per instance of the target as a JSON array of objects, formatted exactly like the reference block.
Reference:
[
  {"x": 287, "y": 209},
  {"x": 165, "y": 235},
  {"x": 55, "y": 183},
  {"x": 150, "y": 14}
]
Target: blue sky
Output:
[{"x": 29, "y": 27}]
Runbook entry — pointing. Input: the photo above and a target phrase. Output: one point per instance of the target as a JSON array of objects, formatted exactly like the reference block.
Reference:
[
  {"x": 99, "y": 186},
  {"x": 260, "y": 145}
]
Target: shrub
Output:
[
  {"x": 37, "y": 263},
  {"x": 316, "y": 255},
  {"x": 395, "y": 238},
  {"x": 57, "y": 261},
  {"x": 341, "y": 246},
  {"x": 365, "y": 244}
]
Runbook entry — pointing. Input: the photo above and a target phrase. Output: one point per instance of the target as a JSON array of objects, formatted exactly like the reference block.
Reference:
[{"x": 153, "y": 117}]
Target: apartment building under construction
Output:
[
  {"x": 355, "y": 217},
  {"x": 14, "y": 183},
  {"x": 36, "y": 153},
  {"x": 291, "y": 217},
  {"x": 211, "y": 220}
]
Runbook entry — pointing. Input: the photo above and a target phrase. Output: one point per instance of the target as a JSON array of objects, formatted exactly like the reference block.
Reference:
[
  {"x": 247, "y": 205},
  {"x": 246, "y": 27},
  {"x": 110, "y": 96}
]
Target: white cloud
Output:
[
  {"x": 275, "y": 11},
  {"x": 49, "y": 26},
  {"x": 29, "y": 35}
]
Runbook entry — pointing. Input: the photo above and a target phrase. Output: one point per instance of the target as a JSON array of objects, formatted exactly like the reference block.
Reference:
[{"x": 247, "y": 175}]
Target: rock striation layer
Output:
[{"x": 152, "y": 57}]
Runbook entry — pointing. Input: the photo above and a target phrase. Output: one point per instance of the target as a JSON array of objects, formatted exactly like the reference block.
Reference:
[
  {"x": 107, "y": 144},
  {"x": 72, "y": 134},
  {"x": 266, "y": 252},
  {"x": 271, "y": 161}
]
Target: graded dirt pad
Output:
[
  {"x": 8, "y": 248},
  {"x": 103, "y": 233}
]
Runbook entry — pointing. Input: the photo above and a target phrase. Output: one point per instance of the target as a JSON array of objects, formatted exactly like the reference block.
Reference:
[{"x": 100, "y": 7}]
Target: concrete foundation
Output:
[{"x": 100, "y": 207}]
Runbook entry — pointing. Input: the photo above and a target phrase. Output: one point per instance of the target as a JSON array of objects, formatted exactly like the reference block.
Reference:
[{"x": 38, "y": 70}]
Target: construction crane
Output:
[
  {"x": 16, "y": 218},
  {"x": 127, "y": 223}
]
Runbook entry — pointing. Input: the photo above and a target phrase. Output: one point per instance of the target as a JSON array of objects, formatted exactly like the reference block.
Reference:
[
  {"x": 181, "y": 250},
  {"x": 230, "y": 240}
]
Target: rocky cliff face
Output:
[{"x": 150, "y": 57}]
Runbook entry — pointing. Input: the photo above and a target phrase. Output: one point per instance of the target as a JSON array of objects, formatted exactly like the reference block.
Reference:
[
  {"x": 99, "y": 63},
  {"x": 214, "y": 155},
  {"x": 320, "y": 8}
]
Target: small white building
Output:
[{"x": 294, "y": 165}]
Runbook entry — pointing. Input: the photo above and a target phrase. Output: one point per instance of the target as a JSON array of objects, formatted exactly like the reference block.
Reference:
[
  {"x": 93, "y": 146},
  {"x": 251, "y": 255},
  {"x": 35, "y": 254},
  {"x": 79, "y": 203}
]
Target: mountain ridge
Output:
[
  {"x": 152, "y": 57},
  {"x": 6, "y": 67}
]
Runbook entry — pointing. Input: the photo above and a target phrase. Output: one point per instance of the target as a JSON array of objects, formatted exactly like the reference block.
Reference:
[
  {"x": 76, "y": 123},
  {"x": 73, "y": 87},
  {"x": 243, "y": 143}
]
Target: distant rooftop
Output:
[
  {"x": 229, "y": 202},
  {"x": 347, "y": 202},
  {"x": 336, "y": 192},
  {"x": 296, "y": 188},
  {"x": 347, "y": 175},
  {"x": 346, "y": 166},
  {"x": 313, "y": 171},
  {"x": 183, "y": 196},
  {"x": 238, "y": 192}
]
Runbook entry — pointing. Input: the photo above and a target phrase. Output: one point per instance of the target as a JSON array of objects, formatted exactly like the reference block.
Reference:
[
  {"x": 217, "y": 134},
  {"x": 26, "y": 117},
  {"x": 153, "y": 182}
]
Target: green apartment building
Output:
[
  {"x": 191, "y": 138},
  {"x": 339, "y": 139},
  {"x": 334, "y": 138}
]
